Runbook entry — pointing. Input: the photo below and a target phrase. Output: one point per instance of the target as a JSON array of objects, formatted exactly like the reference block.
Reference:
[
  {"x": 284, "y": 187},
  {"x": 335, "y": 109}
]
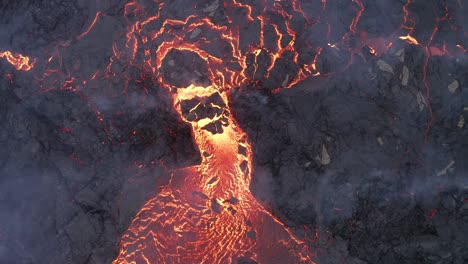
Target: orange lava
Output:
[
  {"x": 206, "y": 214},
  {"x": 20, "y": 62}
]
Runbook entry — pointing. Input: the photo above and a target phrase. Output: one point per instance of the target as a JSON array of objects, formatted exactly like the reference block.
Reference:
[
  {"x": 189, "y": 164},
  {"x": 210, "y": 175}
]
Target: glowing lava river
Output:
[{"x": 207, "y": 214}]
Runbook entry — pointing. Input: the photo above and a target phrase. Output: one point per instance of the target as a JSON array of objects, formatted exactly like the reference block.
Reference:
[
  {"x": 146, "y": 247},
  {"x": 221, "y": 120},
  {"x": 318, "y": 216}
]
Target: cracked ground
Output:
[{"x": 369, "y": 157}]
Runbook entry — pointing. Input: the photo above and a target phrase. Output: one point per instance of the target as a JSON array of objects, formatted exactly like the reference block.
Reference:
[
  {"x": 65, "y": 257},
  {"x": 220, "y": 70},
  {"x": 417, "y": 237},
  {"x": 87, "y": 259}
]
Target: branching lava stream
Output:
[{"x": 206, "y": 214}]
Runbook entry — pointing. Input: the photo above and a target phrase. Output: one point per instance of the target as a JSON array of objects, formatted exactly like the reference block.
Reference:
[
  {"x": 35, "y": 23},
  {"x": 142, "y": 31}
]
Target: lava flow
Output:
[
  {"x": 20, "y": 62},
  {"x": 207, "y": 214}
]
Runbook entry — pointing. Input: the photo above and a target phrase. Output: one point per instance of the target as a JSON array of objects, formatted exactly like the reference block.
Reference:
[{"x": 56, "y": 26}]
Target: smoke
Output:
[
  {"x": 387, "y": 157},
  {"x": 62, "y": 169}
]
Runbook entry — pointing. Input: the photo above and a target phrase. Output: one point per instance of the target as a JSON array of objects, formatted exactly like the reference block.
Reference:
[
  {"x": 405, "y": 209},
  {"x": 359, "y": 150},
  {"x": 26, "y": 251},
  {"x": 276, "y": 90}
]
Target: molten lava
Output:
[
  {"x": 20, "y": 62},
  {"x": 206, "y": 214}
]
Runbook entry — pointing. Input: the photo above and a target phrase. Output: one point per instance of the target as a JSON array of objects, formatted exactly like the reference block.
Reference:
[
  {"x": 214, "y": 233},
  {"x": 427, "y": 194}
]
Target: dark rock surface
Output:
[{"x": 349, "y": 156}]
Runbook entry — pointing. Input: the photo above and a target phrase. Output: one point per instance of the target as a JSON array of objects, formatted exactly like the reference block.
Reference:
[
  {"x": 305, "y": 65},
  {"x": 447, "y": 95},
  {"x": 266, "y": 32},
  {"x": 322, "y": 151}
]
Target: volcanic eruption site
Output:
[{"x": 236, "y": 131}]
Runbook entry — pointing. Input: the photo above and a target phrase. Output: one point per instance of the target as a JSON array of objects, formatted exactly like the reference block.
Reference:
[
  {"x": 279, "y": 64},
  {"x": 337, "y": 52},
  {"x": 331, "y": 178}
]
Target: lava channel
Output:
[{"x": 207, "y": 214}]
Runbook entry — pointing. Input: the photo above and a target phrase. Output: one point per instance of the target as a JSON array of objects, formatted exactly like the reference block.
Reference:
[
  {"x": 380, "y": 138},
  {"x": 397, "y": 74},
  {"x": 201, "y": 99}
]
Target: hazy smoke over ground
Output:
[{"x": 349, "y": 154}]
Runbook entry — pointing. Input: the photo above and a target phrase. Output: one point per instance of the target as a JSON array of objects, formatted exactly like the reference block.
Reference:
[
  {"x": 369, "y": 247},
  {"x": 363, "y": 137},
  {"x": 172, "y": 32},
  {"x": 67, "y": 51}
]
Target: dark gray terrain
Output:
[{"x": 359, "y": 156}]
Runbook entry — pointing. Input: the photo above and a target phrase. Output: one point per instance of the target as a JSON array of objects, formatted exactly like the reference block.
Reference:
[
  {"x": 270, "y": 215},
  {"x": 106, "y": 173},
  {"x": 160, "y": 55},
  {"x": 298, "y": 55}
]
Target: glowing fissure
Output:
[
  {"x": 19, "y": 61},
  {"x": 206, "y": 213}
]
